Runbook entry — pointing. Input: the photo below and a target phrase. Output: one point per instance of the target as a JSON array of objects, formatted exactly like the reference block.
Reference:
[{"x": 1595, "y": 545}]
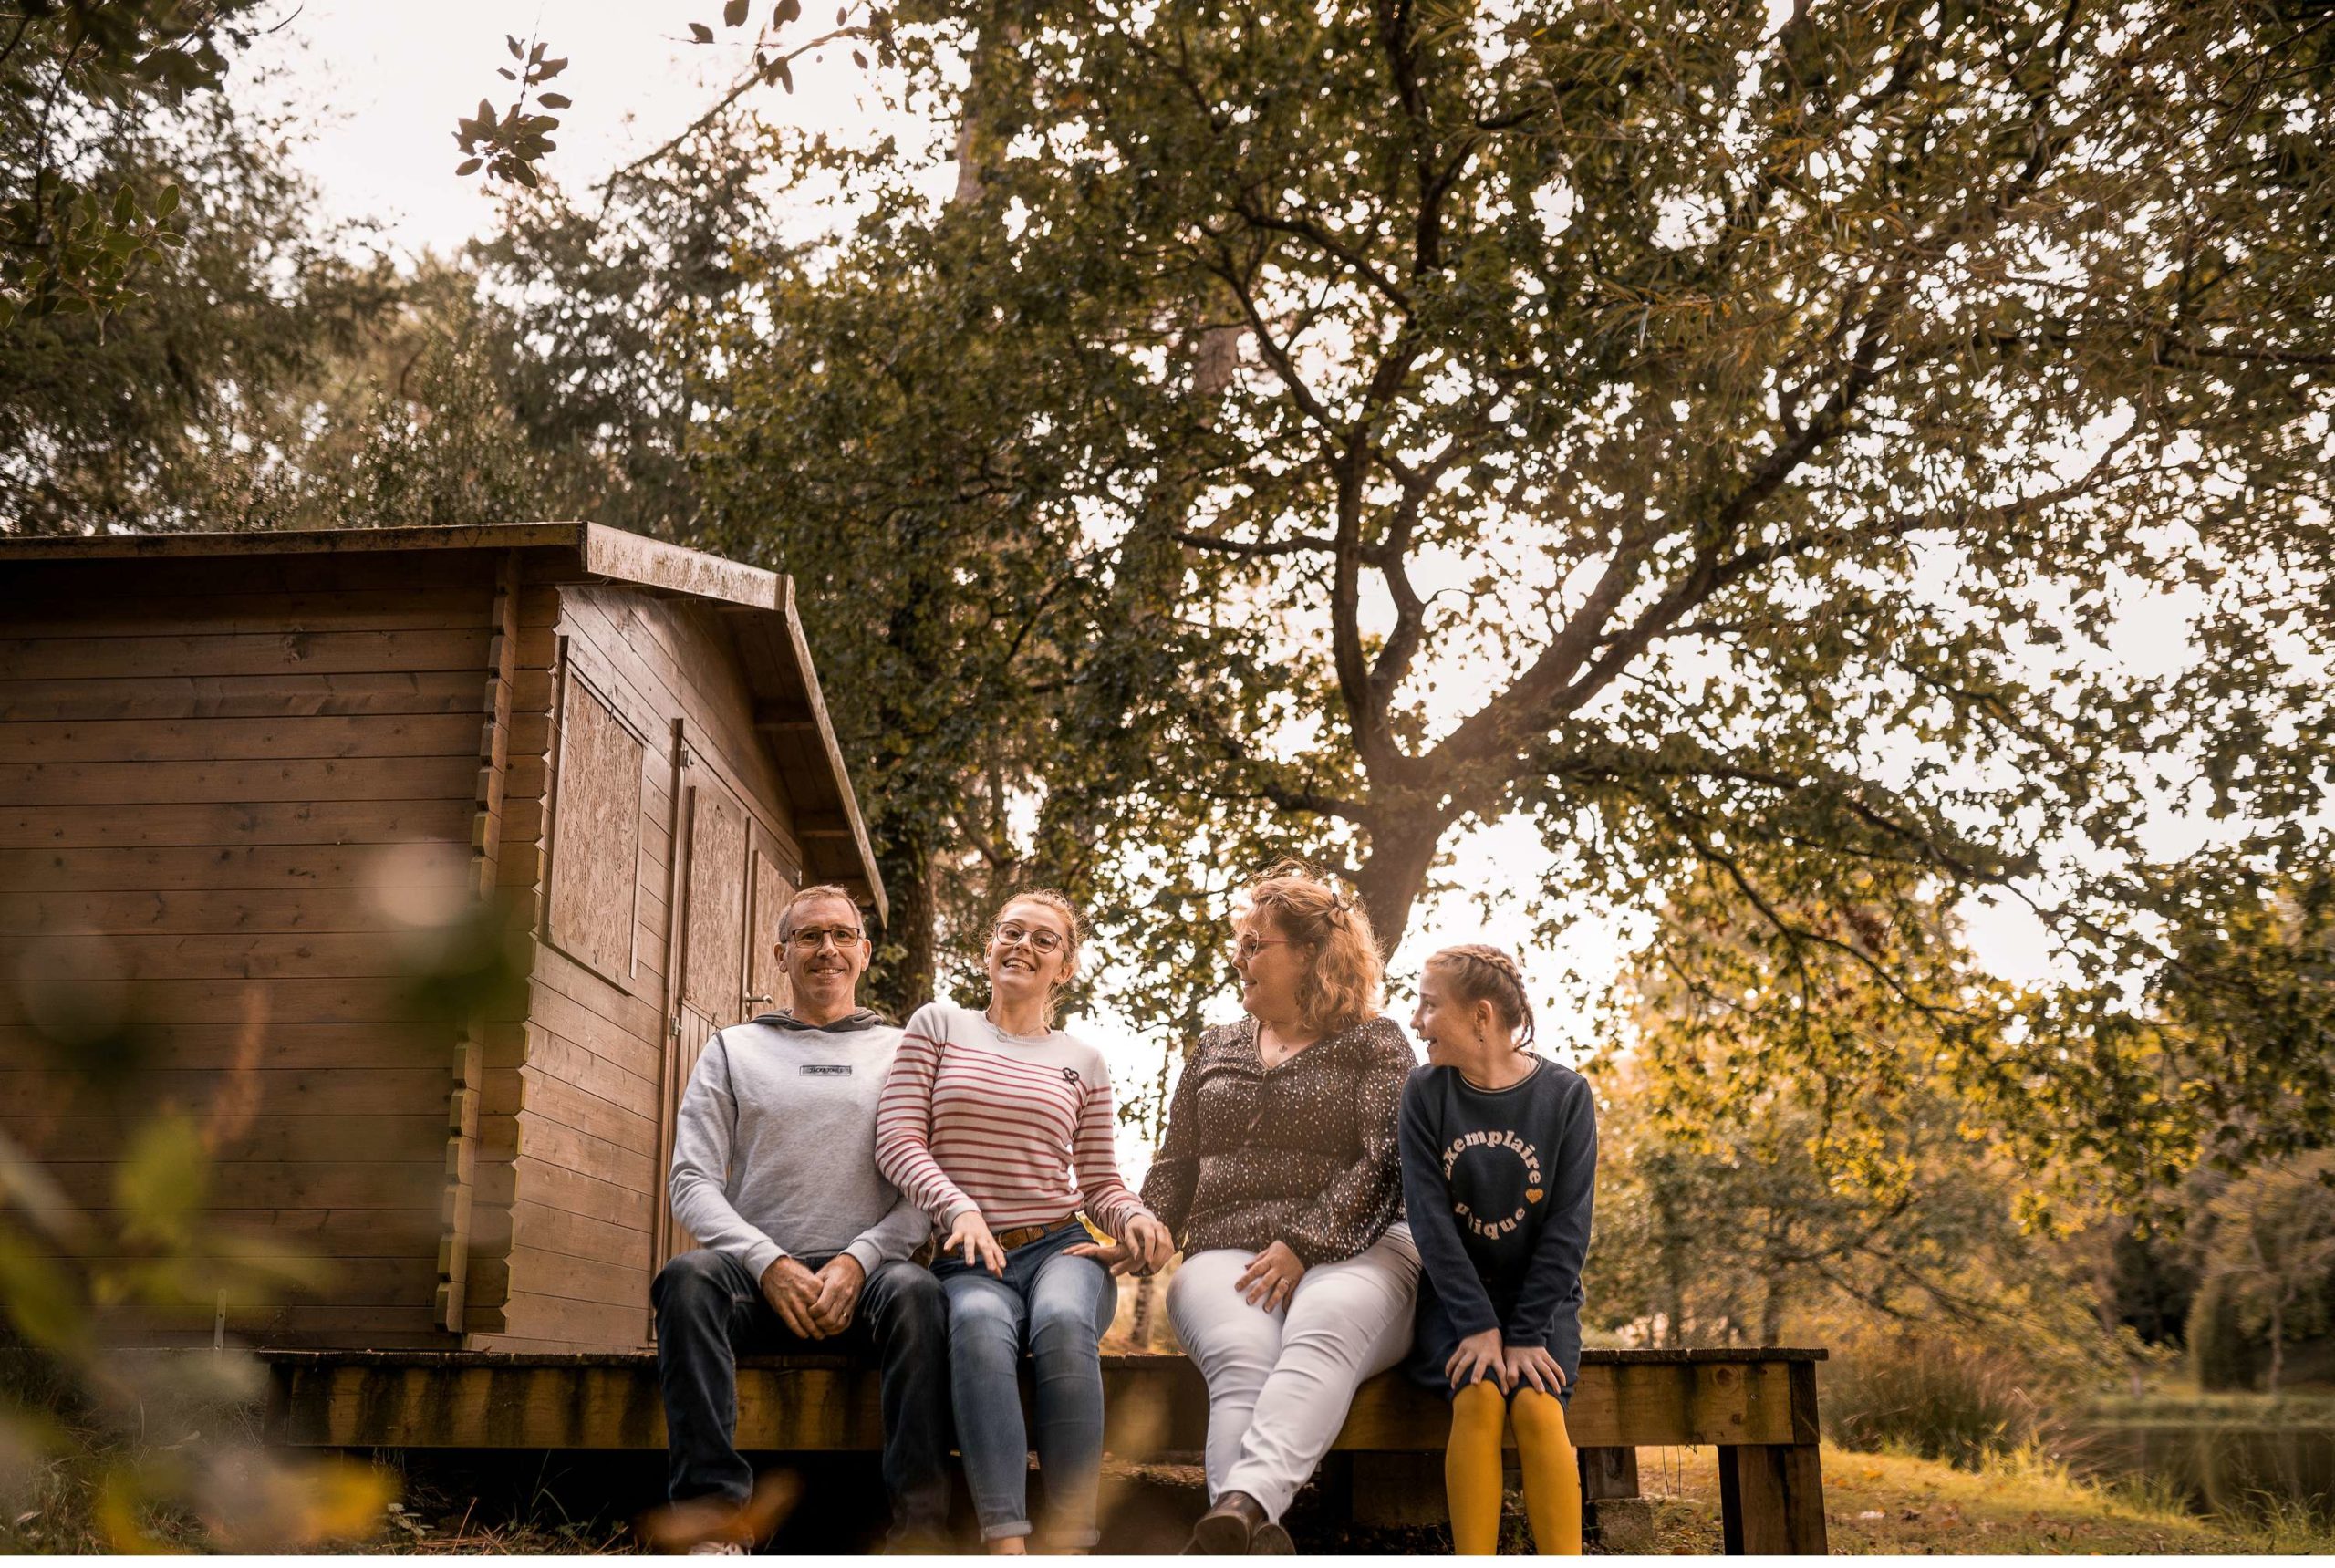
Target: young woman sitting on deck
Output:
[
  {"x": 999, "y": 1126},
  {"x": 1500, "y": 1164}
]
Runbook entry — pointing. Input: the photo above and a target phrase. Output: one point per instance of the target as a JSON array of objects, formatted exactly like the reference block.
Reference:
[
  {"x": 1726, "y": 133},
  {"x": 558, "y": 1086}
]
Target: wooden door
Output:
[
  {"x": 709, "y": 947},
  {"x": 768, "y": 888}
]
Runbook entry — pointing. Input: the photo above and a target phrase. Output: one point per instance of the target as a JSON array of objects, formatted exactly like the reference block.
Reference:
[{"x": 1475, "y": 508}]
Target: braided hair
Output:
[{"x": 1476, "y": 972}]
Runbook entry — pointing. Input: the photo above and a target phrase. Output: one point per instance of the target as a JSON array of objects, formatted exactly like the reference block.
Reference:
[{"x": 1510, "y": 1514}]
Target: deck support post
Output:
[
  {"x": 1771, "y": 1495},
  {"x": 1771, "y": 1500},
  {"x": 1612, "y": 1512}
]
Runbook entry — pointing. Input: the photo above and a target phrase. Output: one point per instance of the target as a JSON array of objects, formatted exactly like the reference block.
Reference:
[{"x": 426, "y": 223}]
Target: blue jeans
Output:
[{"x": 1057, "y": 1309}]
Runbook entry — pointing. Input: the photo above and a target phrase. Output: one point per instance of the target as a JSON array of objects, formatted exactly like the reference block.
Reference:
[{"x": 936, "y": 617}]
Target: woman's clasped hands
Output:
[{"x": 1143, "y": 1247}]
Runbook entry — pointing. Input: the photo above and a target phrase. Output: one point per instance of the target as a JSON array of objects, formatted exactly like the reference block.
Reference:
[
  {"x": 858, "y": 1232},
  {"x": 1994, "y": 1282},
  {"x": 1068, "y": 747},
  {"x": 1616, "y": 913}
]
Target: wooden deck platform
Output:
[{"x": 1757, "y": 1406}]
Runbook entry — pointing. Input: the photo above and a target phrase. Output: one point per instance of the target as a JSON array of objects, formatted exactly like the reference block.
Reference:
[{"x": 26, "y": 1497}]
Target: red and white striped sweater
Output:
[{"x": 1018, "y": 1127}]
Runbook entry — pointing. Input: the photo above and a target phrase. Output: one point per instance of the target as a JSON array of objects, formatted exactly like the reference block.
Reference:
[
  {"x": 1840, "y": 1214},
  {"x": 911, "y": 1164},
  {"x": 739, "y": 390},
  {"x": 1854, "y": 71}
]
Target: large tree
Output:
[
  {"x": 165, "y": 405},
  {"x": 915, "y": 432},
  {"x": 1644, "y": 408},
  {"x": 1695, "y": 431}
]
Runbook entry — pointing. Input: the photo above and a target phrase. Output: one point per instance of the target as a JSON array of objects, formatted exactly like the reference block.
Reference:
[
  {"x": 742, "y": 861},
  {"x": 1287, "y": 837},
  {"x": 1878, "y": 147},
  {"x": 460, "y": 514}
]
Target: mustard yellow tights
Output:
[{"x": 1471, "y": 1471}]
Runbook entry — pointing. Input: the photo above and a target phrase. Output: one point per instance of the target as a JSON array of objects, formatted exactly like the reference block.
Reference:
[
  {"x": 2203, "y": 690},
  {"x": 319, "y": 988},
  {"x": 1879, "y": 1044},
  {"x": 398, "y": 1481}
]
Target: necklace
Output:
[
  {"x": 1269, "y": 1059},
  {"x": 989, "y": 1013}
]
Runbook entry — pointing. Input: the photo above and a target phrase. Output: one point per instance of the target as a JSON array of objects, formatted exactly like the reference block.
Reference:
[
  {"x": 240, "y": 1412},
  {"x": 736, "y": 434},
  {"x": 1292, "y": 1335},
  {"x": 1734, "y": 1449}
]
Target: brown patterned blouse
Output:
[{"x": 1305, "y": 1153}]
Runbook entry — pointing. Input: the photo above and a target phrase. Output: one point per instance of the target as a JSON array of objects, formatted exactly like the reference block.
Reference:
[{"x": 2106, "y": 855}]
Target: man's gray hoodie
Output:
[{"x": 774, "y": 1153}]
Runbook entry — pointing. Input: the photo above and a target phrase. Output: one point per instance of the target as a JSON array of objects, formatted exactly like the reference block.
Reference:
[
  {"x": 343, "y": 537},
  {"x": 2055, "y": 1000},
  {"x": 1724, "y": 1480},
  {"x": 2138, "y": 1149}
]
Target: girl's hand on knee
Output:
[
  {"x": 1270, "y": 1278},
  {"x": 970, "y": 1234},
  {"x": 1479, "y": 1357},
  {"x": 1115, "y": 1257},
  {"x": 1532, "y": 1364}
]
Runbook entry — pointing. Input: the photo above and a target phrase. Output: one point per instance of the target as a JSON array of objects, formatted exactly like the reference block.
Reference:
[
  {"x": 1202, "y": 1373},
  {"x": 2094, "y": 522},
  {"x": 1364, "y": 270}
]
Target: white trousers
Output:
[{"x": 1280, "y": 1383}]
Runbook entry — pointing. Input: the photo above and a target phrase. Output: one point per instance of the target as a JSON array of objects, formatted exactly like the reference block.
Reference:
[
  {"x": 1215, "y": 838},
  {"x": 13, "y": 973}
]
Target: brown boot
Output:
[
  {"x": 1271, "y": 1540},
  {"x": 1226, "y": 1530}
]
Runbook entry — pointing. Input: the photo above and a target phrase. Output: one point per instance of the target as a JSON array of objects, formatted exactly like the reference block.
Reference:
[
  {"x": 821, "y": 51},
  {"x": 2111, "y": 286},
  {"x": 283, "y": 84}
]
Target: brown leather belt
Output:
[{"x": 1022, "y": 1235}]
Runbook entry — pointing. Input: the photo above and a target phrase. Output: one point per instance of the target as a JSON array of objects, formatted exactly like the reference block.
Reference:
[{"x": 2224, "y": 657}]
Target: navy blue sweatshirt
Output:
[{"x": 1499, "y": 1184}]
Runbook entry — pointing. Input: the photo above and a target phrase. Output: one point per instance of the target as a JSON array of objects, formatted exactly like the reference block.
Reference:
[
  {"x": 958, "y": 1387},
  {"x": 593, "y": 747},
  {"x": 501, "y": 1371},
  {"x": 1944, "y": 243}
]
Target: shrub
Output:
[{"x": 1930, "y": 1396}]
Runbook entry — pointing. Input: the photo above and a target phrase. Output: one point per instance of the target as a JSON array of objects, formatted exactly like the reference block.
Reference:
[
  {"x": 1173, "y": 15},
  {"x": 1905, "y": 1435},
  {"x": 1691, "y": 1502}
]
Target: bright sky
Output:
[{"x": 377, "y": 88}]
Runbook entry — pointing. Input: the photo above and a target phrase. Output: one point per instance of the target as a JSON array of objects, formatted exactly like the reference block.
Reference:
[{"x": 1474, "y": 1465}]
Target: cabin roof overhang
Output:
[{"x": 758, "y": 606}]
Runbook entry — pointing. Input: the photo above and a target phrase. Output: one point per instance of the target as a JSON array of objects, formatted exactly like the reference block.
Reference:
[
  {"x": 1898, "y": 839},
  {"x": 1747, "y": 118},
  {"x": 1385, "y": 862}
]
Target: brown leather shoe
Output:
[
  {"x": 1226, "y": 1530},
  {"x": 1270, "y": 1540}
]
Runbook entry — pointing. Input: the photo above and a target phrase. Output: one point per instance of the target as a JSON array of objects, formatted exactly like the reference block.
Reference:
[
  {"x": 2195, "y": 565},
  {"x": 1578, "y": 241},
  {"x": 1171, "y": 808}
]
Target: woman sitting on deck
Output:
[
  {"x": 1499, "y": 1168},
  {"x": 1279, "y": 1174},
  {"x": 999, "y": 1126}
]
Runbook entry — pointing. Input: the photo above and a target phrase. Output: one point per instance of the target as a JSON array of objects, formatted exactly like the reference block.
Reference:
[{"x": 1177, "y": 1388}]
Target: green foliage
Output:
[
  {"x": 1012, "y": 660},
  {"x": 515, "y": 146},
  {"x": 76, "y": 236},
  {"x": 1781, "y": 1146},
  {"x": 594, "y": 312},
  {"x": 510, "y": 147},
  {"x": 142, "y": 1452},
  {"x": 197, "y": 401},
  {"x": 2220, "y": 1355},
  {"x": 2248, "y": 994},
  {"x": 2268, "y": 1246}
]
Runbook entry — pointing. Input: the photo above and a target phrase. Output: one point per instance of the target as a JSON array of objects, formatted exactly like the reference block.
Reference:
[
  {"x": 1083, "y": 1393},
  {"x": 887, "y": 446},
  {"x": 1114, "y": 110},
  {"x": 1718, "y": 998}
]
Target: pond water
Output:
[{"x": 2218, "y": 1466}]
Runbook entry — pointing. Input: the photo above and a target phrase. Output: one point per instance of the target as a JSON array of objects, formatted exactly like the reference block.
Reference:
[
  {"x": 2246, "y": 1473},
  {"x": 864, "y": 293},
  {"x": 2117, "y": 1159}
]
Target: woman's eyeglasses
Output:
[
  {"x": 1041, "y": 940},
  {"x": 1248, "y": 947}
]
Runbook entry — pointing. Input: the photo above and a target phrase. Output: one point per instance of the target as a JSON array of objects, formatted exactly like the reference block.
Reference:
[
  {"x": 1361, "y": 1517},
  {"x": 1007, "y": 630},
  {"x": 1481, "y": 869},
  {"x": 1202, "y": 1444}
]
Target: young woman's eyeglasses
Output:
[
  {"x": 811, "y": 938},
  {"x": 1041, "y": 940}
]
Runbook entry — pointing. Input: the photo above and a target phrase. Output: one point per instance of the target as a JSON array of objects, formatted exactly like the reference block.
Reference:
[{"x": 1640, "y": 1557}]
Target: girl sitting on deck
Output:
[
  {"x": 999, "y": 1126},
  {"x": 1500, "y": 1161}
]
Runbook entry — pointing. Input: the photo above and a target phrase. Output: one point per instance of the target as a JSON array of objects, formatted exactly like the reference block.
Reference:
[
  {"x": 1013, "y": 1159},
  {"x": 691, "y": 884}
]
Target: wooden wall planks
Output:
[
  {"x": 211, "y": 779},
  {"x": 230, "y": 781}
]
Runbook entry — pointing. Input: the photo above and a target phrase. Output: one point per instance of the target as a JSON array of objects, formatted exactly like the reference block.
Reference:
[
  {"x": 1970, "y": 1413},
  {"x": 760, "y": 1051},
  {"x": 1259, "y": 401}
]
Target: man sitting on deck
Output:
[{"x": 803, "y": 1246}]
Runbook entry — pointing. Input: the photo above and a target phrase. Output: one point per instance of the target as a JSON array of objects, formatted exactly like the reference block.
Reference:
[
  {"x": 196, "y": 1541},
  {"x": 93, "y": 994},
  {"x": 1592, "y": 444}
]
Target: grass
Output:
[
  {"x": 2306, "y": 1407},
  {"x": 1934, "y": 1397},
  {"x": 2023, "y": 1503},
  {"x": 1896, "y": 1504}
]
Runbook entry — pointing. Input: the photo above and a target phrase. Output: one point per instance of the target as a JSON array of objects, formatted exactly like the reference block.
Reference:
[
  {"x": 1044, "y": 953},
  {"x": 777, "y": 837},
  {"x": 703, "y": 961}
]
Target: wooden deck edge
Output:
[{"x": 1153, "y": 1403}]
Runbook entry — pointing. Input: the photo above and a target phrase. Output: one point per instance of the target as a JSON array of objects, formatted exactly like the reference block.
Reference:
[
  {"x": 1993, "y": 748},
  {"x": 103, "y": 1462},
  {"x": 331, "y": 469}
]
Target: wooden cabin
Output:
[{"x": 263, "y": 799}]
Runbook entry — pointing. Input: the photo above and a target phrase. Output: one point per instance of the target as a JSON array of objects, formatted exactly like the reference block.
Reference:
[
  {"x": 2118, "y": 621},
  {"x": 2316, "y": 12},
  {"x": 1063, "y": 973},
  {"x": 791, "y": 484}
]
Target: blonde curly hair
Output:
[{"x": 1345, "y": 983}]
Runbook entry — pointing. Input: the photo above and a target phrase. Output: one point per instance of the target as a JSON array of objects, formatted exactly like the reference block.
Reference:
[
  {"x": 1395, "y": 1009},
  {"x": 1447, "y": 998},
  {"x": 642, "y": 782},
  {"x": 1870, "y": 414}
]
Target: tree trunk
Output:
[
  {"x": 1392, "y": 874},
  {"x": 2277, "y": 1339},
  {"x": 978, "y": 146},
  {"x": 904, "y": 979},
  {"x": 1771, "y": 1308},
  {"x": 1139, "y": 1319}
]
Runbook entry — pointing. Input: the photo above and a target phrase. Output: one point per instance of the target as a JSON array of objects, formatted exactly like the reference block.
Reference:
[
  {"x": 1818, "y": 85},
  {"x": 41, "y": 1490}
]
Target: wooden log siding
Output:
[
  {"x": 202, "y": 766},
  {"x": 449, "y": 1300}
]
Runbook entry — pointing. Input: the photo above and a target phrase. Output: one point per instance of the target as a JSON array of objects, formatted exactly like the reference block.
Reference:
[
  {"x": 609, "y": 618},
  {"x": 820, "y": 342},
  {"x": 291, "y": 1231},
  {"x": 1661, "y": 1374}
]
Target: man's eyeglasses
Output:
[
  {"x": 811, "y": 938},
  {"x": 1040, "y": 940}
]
